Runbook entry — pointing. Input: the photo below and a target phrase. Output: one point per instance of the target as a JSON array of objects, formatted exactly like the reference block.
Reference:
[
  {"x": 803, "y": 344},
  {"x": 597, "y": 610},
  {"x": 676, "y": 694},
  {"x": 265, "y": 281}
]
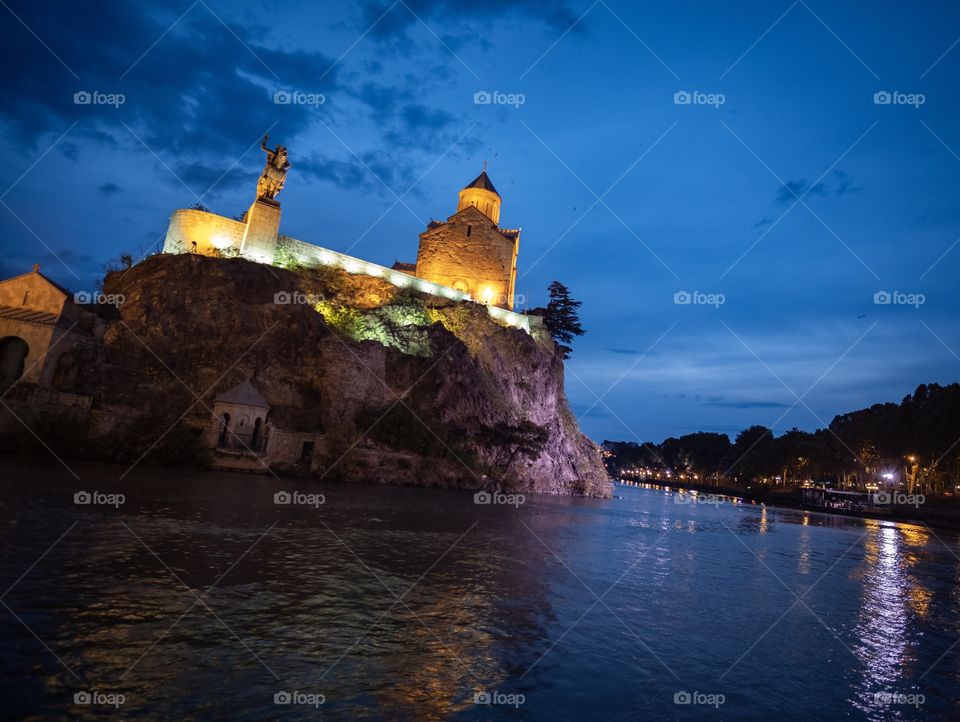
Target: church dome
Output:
[{"x": 482, "y": 194}]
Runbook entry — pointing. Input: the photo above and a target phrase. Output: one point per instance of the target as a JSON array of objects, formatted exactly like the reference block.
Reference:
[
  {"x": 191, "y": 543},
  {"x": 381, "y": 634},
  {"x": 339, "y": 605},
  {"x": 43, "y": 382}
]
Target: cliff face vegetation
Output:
[{"x": 405, "y": 387}]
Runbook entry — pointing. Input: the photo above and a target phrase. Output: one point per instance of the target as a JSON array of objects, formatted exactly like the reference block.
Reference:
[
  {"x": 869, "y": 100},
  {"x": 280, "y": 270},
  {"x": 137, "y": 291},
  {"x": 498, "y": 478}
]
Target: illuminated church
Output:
[
  {"x": 470, "y": 252},
  {"x": 467, "y": 257}
]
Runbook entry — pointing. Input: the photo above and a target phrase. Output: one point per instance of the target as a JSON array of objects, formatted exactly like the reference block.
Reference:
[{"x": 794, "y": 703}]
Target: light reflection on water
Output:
[{"x": 403, "y": 603}]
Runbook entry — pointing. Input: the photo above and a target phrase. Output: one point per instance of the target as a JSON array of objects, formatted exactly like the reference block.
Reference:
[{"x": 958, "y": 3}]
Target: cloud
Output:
[
  {"x": 791, "y": 190},
  {"x": 840, "y": 184},
  {"x": 629, "y": 351},
  {"x": 109, "y": 188},
  {"x": 368, "y": 173},
  {"x": 845, "y": 184},
  {"x": 199, "y": 97},
  {"x": 723, "y": 403},
  {"x": 585, "y": 411},
  {"x": 387, "y": 22}
]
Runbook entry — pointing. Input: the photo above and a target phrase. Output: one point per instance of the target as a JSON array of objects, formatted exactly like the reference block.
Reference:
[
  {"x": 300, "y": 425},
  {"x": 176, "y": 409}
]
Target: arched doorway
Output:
[
  {"x": 224, "y": 429},
  {"x": 255, "y": 439},
  {"x": 13, "y": 354}
]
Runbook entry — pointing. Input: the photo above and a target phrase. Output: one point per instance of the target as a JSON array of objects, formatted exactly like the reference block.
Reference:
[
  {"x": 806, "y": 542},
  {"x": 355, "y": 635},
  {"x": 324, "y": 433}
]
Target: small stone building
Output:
[
  {"x": 40, "y": 327},
  {"x": 247, "y": 434}
]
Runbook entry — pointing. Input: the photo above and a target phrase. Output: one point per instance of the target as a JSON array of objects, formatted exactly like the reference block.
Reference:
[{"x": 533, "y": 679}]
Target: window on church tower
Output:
[{"x": 468, "y": 231}]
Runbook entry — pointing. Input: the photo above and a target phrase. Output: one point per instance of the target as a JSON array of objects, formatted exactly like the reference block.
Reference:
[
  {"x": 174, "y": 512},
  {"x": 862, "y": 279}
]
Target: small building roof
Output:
[
  {"x": 482, "y": 181},
  {"x": 36, "y": 272},
  {"x": 243, "y": 395}
]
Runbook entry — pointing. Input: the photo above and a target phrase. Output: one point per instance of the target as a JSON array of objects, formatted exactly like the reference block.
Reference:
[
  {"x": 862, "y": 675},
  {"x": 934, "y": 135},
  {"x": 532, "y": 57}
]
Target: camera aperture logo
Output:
[
  {"x": 291, "y": 298},
  {"x": 895, "y": 97},
  {"x": 98, "y": 498},
  {"x": 714, "y": 700},
  {"x": 114, "y": 699},
  {"x": 499, "y": 698},
  {"x": 484, "y": 97},
  {"x": 86, "y": 298},
  {"x": 699, "y": 298},
  {"x": 298, "y": 498},
  {"x": 498, "y": 498},
  {"x": 684, "y": 97},
  {"x": 899, "y": 298},
  {"x": 95, "y": 97},
  {"x": 313, "y": 699},
  {"x": 886, "y": 498},
  {"x": 298, "y": 97},
  {"x": 888, "y": 698},
  {"x": 695, "y": 498}
]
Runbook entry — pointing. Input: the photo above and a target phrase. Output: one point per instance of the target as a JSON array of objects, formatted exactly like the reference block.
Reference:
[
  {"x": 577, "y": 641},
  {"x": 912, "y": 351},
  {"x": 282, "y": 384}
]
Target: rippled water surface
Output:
[{"x": 201, "y": 599}]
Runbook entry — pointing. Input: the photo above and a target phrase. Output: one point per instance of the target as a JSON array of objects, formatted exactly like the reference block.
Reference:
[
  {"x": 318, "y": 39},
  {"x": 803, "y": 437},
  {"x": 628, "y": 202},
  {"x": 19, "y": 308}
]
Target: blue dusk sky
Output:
[{"x": 776, "y": 164}]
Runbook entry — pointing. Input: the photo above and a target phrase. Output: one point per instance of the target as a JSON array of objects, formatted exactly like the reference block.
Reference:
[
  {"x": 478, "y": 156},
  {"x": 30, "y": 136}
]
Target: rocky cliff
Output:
[{"x": 405, "y": 387}]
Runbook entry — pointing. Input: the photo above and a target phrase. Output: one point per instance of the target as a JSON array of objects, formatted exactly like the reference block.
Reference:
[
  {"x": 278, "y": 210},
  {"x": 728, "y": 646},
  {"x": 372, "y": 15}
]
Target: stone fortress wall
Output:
[
  {"x": 211, "y": 233},
  {"x": 194, "y": 231}
]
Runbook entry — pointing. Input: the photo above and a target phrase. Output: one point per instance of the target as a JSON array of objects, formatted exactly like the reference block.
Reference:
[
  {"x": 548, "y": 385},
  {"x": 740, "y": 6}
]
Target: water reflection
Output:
[{"x": 883, "y": 632}]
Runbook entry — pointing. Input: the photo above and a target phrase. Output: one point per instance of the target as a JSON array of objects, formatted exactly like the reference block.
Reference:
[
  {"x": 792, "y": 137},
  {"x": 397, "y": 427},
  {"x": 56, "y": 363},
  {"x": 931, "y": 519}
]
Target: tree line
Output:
[{"x": 914, "y": 444}]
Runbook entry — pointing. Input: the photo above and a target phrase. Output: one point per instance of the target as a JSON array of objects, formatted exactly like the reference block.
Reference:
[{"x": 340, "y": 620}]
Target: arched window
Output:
[
  {"x": 224, "y": 428},
  {"x": 65, "y": 372},
  {"x": 13, "y": 353}
]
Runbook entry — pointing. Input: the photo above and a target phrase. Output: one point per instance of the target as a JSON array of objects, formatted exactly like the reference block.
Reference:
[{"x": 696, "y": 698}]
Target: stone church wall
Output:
[{"x": 473, "y": 263}]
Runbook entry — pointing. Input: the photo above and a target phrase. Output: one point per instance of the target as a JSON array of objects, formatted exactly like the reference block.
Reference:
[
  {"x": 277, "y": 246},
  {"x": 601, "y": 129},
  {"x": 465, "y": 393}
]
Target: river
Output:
[{"x": 195, "y": 596}]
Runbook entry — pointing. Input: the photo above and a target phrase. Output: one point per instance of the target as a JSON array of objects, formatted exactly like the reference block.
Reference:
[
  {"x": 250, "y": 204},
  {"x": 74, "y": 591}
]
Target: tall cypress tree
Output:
[{"x": 562, "y": 318}]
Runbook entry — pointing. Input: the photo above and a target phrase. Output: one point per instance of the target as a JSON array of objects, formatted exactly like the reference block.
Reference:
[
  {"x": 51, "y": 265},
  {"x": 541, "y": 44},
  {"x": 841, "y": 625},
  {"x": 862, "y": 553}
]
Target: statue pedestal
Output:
[{"x": 263, "y": 226}]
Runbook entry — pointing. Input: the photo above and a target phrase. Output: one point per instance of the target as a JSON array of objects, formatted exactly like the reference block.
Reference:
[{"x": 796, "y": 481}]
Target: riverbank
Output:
[{"x": 943, "y": 514}]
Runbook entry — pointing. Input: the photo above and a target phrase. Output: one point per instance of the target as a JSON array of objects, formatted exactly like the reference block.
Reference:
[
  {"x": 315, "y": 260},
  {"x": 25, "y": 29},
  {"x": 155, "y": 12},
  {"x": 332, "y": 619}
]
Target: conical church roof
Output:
[
  {"x": 482, "y": 181},
  {"x": 243, "y": 395}
]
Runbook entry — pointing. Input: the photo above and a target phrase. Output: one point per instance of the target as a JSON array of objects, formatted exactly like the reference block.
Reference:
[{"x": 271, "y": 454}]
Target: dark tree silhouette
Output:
[
  {"x": 562, "y": 318},
  {"x": 915, "y": 441},
  {"x": 523, "y": 438}
]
